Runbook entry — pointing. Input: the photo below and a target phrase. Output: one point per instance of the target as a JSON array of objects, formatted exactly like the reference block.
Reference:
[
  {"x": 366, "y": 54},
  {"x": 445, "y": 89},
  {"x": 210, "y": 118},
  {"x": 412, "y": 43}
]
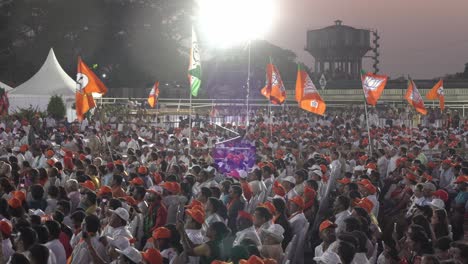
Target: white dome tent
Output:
[
  {"x": 5, "y": 87},
  {"x": 50, "y": 80}
]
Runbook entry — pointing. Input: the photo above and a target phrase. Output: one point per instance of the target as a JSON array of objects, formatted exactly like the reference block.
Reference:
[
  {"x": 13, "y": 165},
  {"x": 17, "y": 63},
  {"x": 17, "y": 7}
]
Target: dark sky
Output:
[{"x": 423, "y": 38}]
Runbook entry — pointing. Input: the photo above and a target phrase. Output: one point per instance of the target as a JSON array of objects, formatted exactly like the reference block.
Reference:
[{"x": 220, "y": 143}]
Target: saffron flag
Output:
[
  {"x": 89, "y": 82},
  {"x": 274, "y": 88},
  {"x": 83, "y": 103},
  {"x": 414, "y": 98},
  {"x": 154, "y": 94},
  {"x": 194, "y": 71},
  {"x": 373, "y": 86},
  {"x": 307, "y": 95},
  {"x": 437, "y": 92}
]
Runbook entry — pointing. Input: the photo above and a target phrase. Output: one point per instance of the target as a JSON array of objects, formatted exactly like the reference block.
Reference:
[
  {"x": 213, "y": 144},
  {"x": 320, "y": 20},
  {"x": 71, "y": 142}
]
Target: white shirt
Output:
[
  {"x": 58, "y": 249},
  {"x": 339, "y": 220},
  {"x": 81, "y": 253},
  {"x": 297, "y": 222},
  {"x": 360, "y": 258},
  {"x": 196, "y": 236},
  {"x": 291, "y": 194},
  {"x": 319, "y": 249},
  {"x": 248, "y": 233},
  {"x": 133, "y": 144},
  {"x": 7, "y": 248}
]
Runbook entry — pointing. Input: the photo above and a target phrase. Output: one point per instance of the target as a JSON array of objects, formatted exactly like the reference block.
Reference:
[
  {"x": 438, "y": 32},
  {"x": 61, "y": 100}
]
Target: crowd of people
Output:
[{"x": 290, "y": 187}]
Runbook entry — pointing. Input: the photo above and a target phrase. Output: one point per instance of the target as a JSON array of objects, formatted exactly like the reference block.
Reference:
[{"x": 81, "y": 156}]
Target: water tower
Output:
[{"x": 338, "y": 50}]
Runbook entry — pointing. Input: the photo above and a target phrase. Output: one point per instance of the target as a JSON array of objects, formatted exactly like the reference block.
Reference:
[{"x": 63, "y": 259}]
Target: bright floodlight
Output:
[{"x": 229, "y": 22}]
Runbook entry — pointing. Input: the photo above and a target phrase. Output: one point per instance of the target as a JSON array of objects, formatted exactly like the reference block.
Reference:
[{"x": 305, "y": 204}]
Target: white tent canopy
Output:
[
  {"x": 50, "y": 80},
  {"x": 6, "y": 87}
]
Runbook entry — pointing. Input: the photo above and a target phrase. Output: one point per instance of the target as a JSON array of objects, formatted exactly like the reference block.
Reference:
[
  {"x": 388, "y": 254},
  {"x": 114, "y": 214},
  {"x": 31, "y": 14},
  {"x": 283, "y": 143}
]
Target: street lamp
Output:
[{"x": 227, "y": 23}]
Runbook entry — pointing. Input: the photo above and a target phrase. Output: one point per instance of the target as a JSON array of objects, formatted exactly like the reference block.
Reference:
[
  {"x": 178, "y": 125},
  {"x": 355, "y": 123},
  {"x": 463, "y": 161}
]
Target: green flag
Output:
[{"x": 194, "y": 70}]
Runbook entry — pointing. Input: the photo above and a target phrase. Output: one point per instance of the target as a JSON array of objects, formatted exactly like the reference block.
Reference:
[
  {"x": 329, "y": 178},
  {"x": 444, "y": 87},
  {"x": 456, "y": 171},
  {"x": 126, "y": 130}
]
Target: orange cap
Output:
[
  {"x": 252, "y": 260},
  {"x": 427, "y": 176},
  {"x": 89, "y": 185},
  {"x": 152, "y": 256},
  {"x": 24, "y": 148},
  {"x": 161, "y": 232},
  {"x": 364, "y": 182},
  {"x": 50, "y": 153},
  {"x": 371, "y": 166},
  {"x": 142, "y": 170},
  {"x": 279, "y": 189},
  {"x": 366, "y": 204},
  {"x": 14, "y": 203},
  {"x": 461, "y": 179},
  {"x": 194, "y": 203},
  {"x": 364, "y": 158},
  {"x": 370, "y": 188},
  {"x": 298, "y": 200},
  {"x": 245, "y": 215},
  {"x": 20, "y": 195},
  {"x": 6, "y": 227},
  {"x": 137, "y": 181},
  {"x": 172, "y": 187},
  {"x": 411, "y": 177},
  {"x": 197, "y": 215},
  {"x": 270, "y": 206},
  {"x": 344, "y": 181},
  {"x": 326, "y": 224},
  {"x": 51, "y": 162},
  {"x": 104, "y": 190},
  {"x": 118, "y": 162},
  {"x": 131, "y": 201}
]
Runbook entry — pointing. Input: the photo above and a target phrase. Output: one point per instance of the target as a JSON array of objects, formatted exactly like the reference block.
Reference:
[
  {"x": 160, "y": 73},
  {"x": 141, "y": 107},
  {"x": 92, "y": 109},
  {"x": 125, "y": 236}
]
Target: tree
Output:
[
  {"x": 56, "y": 107},
  {"x": 133, "y": 42}
]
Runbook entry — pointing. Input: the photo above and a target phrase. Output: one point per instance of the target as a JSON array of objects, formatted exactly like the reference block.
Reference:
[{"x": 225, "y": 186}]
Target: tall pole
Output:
[
  {"x": 248, "y": 86},
  {"x": 190, "y": 124},
  {"x": 368, "y": 129}
]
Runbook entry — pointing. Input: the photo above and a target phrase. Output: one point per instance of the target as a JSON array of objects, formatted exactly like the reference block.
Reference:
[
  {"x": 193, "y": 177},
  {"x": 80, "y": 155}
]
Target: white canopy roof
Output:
[
  {"x": 50, "y": 80},
  {"x": 6, "y": 87}
]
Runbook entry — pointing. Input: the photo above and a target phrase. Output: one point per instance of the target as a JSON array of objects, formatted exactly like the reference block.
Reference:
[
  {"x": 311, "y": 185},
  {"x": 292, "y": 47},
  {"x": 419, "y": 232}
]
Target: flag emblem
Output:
[
  {"x": 440, "y": 91},
  {"x": 373, "y": 86},
  {"x": 82, "y": 80},
  {"x": 314, "y": 104},
  {"x": 372, "y": 83}
]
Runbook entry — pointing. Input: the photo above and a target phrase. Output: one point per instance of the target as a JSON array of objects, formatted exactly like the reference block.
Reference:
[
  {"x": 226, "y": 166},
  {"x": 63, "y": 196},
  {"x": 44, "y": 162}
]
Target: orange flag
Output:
[
  {"x": 307, "y": 95},
  {"x": 154, "y": 94},
  {"x": 373, "y": 86},
  {"x": 414, "y": 98},
  {"x": 83, "y": 103},
  {"x": 88, "y": 81},
  {"x": 274, "y": 88},
  {"x": 437, "y": 92}
]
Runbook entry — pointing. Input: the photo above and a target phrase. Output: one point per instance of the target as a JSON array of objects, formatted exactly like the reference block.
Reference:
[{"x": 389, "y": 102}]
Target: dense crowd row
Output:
[{"x": 291, "y": 188}]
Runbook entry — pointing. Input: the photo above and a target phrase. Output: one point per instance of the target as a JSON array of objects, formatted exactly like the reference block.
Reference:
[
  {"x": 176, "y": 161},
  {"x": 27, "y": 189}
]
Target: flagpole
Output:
[
  {"x": 367, "y": 123},
  {"x": 368, "y": 129},
  {"x": 248, "y": 86},
  {"x": 190, "y": 124}
]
